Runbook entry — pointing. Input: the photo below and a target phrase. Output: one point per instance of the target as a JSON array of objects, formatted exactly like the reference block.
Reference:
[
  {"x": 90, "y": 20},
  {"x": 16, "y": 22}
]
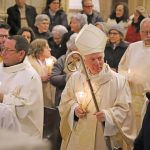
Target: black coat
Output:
[
  {"x": 60, "y": 18},
  {"x": 93, "y": 18},
  {"x": 58, "y": 78},
  {"x": 14, "y": 17},
  {"x": 142, "y": 142},
  {"x": 113, "y": 56},
  {"x": 56, "y": 49},
  {"x": 64, "y": 41}
]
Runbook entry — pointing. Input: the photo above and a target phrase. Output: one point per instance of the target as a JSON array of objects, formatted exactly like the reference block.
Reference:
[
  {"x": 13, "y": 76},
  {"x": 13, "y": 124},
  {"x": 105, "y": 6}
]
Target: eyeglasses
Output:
[
  {"x": 113, "y": 33},
  {"x": 88, "y": 6},
  {"x": 7, "y": 50},
  {"x": 146, "y": 32},
  {"x": 2, "y": 36}
]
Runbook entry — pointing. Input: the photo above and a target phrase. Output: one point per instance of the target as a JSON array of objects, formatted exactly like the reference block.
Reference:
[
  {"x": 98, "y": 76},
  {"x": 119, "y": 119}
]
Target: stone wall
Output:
[{"x": 105, "y": 6}]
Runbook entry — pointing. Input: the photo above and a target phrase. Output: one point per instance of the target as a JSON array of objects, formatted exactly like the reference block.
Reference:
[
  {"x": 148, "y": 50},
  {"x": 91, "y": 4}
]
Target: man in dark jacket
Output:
[
  {"x": 20, "y": 15},
  {"x": 92, "y": 15}
]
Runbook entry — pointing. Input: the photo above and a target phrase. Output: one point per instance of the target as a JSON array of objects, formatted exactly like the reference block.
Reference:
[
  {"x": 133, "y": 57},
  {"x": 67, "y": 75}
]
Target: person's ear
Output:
[{"x": 22, "y": 53}]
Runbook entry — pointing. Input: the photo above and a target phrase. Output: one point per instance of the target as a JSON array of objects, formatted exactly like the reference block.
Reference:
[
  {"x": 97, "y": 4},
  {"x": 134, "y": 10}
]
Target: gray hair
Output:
[
  {"x": 145, "y": 20},
  {"x": 104, "y": 25},
  {"x": 71, "y": 42},
  {"x": 59, "y": 29},
  {"x": 40, "y": 18},
  {"x": 80, "y": 18}
]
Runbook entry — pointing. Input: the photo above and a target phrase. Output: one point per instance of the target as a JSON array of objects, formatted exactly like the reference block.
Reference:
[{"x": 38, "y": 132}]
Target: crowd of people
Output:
[{"x": 101, "y": 105}]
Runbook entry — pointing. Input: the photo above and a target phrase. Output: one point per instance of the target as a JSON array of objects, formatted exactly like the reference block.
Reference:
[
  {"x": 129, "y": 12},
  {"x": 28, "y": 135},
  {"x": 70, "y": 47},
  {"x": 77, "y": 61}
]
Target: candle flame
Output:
[
  {"x": 81, "y": 96},
  {"x": 129, "y": 70},
  {"x": 49, "y": 62}
]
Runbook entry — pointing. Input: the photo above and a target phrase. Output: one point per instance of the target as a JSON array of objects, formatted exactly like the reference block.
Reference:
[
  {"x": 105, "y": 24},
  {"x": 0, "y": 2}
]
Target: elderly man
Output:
[
  {"x": 135, "y": 66},
  {"x": 82, "y": 126},
  {"x": 20, "y": 15},
  {"x": 21, "y": 87},
  {"x": 92, "y": 15},
  {"x": 4, "y": 32}
]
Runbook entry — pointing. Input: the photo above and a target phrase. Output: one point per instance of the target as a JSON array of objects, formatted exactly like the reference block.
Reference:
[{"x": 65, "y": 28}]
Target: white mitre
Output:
[{"x": 90, "y": 40}]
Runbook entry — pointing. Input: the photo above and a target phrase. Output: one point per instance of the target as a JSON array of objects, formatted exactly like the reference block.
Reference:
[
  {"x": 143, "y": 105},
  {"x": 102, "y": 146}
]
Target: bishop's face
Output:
[
  {"x": 94, "y": 62},
  {"x": 145, "y": 33}
]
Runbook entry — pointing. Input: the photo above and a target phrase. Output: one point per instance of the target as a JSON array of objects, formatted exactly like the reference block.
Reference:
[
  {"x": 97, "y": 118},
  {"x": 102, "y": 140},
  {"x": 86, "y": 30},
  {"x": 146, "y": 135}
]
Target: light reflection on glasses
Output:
[
  {"x": 2, "y": 36},
  {"x": 7, "y": 50},
  {"x": 146, "y": 32},
  {"x": 113, "y": 33},
  {"x": 88, "y": 6}
]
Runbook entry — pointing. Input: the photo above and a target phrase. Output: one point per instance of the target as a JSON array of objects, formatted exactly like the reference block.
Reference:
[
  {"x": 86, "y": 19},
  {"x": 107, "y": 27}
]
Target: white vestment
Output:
[
  {"x": 135, "y": 66},
  {"x": 22, "y": 90},
  {"x": 112, "y": 94},
  {"x": 8, "y": 119},
  {"x": 10, "y": 140}
]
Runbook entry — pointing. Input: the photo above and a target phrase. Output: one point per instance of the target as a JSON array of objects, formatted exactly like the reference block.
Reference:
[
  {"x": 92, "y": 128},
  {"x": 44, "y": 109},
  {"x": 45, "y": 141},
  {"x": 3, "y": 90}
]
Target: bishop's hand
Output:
[{"x": 80, "y": 112}]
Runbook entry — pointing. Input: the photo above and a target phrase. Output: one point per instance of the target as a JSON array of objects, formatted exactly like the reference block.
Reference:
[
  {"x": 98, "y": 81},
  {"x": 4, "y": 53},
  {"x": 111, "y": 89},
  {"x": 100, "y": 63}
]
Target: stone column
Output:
[
  {"x": 105, "y": 8},
  {"x": 3, "y": 14}
]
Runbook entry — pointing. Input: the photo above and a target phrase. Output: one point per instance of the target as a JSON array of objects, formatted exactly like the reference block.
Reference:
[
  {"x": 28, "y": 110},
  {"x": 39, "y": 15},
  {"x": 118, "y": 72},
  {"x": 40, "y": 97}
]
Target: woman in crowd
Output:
[
  {"x": 28, "y": 33},
  {"x": 119, "y": 15},
  {"x": 56, "y": 14},
  {"x": 42, "y": 61},
  {"x": 115, "y": 46},
  {"x": 77, "y": 21},
  {"x": 41, "y": 30},
  {"x": 57, "y": 32},
  {"x": 133, "y": 32}
]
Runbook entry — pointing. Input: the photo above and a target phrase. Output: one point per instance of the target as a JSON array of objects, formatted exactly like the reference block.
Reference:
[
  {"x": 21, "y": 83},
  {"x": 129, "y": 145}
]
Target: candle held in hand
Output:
[
  {"x": 81, "y": 98},
  {"x": 49, "y": 64}
]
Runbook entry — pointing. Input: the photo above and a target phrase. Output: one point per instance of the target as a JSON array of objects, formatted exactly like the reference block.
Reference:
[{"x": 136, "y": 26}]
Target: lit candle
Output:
[
  {"x": 49, "y": 64},
  {"x": 129, "y": 74},
  {"x": 81, "y": 98}
]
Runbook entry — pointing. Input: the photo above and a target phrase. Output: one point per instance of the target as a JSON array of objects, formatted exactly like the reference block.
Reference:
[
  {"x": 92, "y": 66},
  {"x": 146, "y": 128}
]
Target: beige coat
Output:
[
  {"x": 48, "y": 89},
  {"x": 135, "y": 66},
  {"x": 112, "y": 94}
]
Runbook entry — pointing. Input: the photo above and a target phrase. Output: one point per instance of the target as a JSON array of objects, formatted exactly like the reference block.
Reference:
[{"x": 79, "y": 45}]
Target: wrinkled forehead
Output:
[
  {"x": 10, "y": 43},
  {"x": 4, "y": 31},
  {"x": 20, "y": 1},
  {"x": 94, "y": 55},
  {"x": 146, "y": 25},
  {"x": 87, "y": 2}
]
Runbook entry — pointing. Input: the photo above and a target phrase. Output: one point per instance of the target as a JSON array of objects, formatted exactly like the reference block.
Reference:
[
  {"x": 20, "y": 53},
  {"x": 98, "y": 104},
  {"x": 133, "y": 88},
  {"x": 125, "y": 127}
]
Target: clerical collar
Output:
[
  {"x": 101, "y": 77},
  {"x": 14, "y": 64}
]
